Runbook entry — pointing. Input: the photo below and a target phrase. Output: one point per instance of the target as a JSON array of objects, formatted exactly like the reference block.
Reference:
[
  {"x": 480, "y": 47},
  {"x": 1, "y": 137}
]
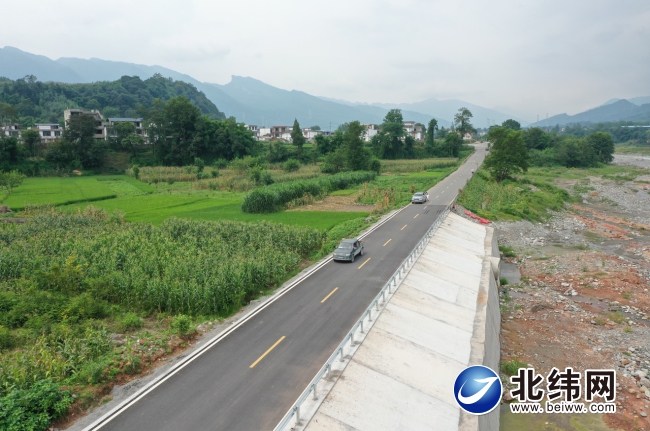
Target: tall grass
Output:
[
  {"x": 274, "y": 197},
  {"x": 417, "y": 165},
  {"x": 511, "y": 199}
]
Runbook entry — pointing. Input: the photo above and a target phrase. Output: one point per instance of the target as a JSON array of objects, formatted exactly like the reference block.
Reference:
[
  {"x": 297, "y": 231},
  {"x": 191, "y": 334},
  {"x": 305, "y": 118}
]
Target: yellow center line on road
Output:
[
  {"x": 331, "y": 293},
  {"x": 387, "y": 242},
  {"x": 361, "y": 266},
  {"x": 404, "y": 227},
  {"x": 268, "y": 351},
  {"x": 416, "y": 216}
]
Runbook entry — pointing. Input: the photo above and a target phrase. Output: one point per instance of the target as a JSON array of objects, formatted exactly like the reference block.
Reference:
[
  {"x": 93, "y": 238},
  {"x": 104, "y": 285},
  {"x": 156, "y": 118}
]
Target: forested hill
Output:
[{"x": 37, "y": 102}]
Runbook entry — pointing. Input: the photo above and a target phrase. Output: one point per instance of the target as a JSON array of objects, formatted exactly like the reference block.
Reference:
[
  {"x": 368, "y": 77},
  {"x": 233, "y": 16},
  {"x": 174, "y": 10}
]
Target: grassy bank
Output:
[{"x": 515, "y": 199}]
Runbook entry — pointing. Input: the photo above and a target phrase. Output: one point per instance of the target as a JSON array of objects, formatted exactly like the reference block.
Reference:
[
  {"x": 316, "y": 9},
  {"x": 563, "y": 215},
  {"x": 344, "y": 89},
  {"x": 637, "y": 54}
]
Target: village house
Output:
[
  {"x": 49, "y": 132},
  {"x": 371, "y": 130},
  {"x": 415, "y": 131},
  {"x": 277, "y": 131},
  {"x": 99, "y": 120},
  {"x": 109, "y": 126},
  {"x": 11, "y": 130},
  {"x": 253, "y": 128}
]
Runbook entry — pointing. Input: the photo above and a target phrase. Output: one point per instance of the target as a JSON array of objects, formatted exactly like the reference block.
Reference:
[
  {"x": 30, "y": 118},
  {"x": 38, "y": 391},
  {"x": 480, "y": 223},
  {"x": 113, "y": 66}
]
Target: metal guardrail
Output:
[{"x": 349, "y": 338}]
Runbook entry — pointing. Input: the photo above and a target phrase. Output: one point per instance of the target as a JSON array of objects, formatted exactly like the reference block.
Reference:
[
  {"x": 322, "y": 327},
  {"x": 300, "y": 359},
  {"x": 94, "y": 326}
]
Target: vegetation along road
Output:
[{"x": 250, "y": 378}]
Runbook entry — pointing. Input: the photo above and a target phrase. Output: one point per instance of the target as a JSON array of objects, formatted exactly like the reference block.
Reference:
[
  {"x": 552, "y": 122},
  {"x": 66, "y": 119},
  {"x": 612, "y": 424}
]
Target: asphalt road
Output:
[{"x": 250, "y": 379}]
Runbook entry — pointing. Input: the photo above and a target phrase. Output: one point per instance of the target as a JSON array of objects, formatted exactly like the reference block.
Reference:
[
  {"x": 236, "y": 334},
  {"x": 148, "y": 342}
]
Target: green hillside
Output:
[{"x": 31, "y": 101}]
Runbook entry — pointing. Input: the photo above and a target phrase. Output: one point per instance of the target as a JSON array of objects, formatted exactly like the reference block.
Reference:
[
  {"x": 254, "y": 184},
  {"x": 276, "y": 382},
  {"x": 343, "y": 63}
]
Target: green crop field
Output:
[
  {"x": 225, "y": 206},
  {"x": 64, "y": 191},
  {"x": 58, "y": 191}
]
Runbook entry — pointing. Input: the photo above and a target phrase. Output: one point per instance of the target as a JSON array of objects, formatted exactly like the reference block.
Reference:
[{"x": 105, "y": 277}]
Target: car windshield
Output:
[
  {"x": 345, "y": 245},
  {"x": 417, "y": 195}
]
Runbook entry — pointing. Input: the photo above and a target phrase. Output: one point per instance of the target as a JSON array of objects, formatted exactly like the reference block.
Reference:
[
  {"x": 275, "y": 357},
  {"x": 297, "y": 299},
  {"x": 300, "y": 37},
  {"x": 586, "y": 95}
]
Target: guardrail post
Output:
[
  {"x": 297, "y": 415},
  {"x": 329, "y": 371},
  {"x": 352, "y": 339},
  {"x": 383, "y": 297},
  {"x": 377, "y": 305},
  {"x": 341, "y": 353},
  {"x": 362, "y": 325},
  {"x": 370, "y": 314},
  {"x": 315, "y": 388}
]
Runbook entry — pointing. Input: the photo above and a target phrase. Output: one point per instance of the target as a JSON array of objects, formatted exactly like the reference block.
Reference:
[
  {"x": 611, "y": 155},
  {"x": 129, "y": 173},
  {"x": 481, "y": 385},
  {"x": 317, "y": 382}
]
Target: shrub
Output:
[
  {"x": 255, "y": 174},
  {"x": 136, "y": 172},
  {"x": 130, "y": 322},
  {"x": 503, "y": 281},
  {"x": 291, "y": 165},
  {"x": 272, "y": 198},
  {"x": 511, "y": 368},
  {"x": 221, "y": 164},
  {"x": 266, "y": 178},
  {"x": 6, "y": 339},
  {"x": 199, "y": 163},
  {"x": 181, "y": 324},
  {"x": 214, "y": 173},
  {"x": 33, "y": 409},
  {"x": 375, "y": 166}
]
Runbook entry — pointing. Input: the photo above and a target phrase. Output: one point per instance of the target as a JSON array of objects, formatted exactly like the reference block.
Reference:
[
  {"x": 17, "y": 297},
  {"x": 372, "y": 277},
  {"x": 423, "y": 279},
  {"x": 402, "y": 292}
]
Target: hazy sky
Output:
[{"x": 529, "y": 57}]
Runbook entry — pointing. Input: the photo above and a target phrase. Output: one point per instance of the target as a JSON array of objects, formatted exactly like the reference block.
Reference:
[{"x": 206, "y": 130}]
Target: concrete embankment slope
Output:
[{"x": 444, "y": 317}]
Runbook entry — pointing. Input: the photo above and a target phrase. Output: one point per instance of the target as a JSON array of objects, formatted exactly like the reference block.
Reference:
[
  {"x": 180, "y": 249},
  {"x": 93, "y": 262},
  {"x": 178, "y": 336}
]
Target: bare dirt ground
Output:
[
  {"x": 584, "y": 298},
  {"x": 336, "y": 203}
]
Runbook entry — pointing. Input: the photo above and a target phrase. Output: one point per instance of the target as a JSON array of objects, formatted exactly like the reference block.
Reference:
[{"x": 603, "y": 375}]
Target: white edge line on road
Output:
[{"x": 105, "y": 419}]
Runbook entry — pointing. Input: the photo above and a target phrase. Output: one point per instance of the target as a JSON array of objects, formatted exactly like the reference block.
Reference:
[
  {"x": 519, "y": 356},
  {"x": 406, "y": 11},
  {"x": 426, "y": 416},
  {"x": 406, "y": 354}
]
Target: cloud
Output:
[{"x": 531, "y": 57}]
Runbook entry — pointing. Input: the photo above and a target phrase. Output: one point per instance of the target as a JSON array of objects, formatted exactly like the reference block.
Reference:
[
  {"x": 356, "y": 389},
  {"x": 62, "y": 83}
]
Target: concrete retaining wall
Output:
[{"x": 444, "y": 317}]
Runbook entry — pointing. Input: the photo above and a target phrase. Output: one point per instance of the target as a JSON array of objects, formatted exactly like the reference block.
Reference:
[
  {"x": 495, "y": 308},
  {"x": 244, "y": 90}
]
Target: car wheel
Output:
[{"x": 353, "y": 256}]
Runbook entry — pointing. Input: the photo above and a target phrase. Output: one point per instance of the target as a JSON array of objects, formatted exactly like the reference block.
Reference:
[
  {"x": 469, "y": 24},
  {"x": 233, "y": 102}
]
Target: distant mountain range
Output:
[
  {"x": 254, "y": 102},
  {"x": 618, "y": 110}
]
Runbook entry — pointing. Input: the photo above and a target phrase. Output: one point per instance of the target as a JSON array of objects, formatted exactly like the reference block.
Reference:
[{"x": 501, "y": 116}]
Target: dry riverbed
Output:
[{"x": 583, "y": 299}]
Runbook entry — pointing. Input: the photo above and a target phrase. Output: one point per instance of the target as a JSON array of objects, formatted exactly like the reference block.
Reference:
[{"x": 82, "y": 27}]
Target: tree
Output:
[
  {"x": 442, "y": 133},
  {"x": 356, "y": 157},
  {"x": 508, "y": 154},
  {"x": 576, "y": 153},
  {"x": 453, "y": 142},
  {"x": 180, "y": 118},
  {"x": 462, "y": 121},
  {"x": 80, "y": 132},
  {"x": 603, "y": 145},
  {"x": 126, "y": 137},
  {"x": 297, "y": 138},
  {"x": 511, "y": 124},
  {"x": 536, "y": 139},
  {"x": 429, "y": 141},
  {"x": 389, "y": 142},
  {"x": 11, "y": 180},
  {"x": 315, "y": 128},
  {"x": 277, "y": 152},
  {"x": 31, "y": 140}
]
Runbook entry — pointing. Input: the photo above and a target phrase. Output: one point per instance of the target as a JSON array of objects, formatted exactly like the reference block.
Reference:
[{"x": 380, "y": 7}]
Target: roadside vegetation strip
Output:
[
  {"x": 272, "y": 198},
  {"x": 511, "y": 199}
]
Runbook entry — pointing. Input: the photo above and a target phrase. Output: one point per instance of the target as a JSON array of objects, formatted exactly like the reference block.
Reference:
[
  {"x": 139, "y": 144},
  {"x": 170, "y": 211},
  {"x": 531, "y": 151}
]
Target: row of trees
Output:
[
  {"x": 513, "y": 150},
  {"x": 392, "y": 141}
]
